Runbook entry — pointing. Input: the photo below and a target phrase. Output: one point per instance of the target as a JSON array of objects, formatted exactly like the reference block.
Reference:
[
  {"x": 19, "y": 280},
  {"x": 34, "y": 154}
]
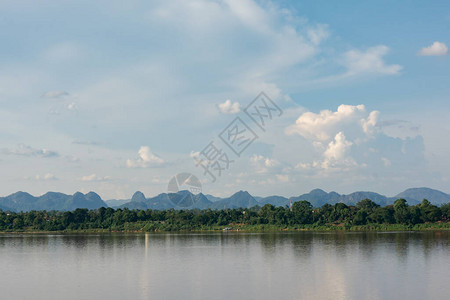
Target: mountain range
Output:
[
  {"x": 22, "y": 201},
  {"x": 316, "y": 197}
]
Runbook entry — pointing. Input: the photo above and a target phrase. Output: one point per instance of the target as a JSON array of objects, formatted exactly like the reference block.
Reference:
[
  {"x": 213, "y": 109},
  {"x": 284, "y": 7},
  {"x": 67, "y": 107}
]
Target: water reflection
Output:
[{"x": 308, "y": 265}]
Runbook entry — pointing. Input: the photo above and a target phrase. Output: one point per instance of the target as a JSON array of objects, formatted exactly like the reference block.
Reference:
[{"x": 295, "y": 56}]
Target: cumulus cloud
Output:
[
  {"x": 436, "y": 49},
  {"x": 327, "y": 131},
  {"x": 229, "y": 107},
  {"x": 338, "y": 148},
  {"x": 25, "y": 150},
  {"x": 326, "y": 124},
  {"x": 369, "y": 124},
  {"x": 335, "y": 157},
  {"x": 145, "y": 159},
  {"x": 369, "y": 61},
  {"x": 351, "y": 140},
  {"x": 94, "y": 177},
  {"x": 336, "y": 153}
]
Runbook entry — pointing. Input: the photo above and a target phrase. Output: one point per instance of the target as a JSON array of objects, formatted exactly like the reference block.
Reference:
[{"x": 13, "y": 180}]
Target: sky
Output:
[{"x": 117, "y": 97}]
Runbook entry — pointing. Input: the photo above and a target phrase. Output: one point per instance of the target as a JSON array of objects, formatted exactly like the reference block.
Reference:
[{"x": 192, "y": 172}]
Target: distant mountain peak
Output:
[
  {"x": 318, "y": 191},
  {"x": 138, "y": 197},
  {"x": 241, "y": 192},
  {"x": 92, "y": 193},
  {"x": 93, "y": 196},
  {"x": 418, "y": 194},
  {"x": 21, "y": 194}
]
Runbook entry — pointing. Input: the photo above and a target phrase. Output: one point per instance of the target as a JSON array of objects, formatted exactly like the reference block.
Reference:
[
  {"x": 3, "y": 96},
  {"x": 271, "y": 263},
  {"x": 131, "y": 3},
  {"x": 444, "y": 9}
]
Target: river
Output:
[{"x": 229, "y": 265}]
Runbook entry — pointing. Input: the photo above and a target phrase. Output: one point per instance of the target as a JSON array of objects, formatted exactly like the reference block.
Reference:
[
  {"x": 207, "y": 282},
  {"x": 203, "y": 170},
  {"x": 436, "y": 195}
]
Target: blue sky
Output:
[{"x": 116, "y": 97}]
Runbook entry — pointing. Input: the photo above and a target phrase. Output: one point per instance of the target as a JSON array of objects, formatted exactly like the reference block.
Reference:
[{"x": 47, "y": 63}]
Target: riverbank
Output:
[{"x": 152, "y": 227}]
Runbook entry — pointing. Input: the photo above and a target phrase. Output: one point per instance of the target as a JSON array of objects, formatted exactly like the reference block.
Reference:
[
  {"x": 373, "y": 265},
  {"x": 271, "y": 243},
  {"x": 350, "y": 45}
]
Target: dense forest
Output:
[{"x": 300, "y": 216}]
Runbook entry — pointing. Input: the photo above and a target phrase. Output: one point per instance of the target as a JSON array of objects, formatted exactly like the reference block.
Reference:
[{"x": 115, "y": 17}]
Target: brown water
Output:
[{"x": 305, "y": 265}]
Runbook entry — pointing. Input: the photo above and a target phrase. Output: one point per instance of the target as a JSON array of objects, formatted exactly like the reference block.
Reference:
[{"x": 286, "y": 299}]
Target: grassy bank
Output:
[{"x": 143, "y": 227}]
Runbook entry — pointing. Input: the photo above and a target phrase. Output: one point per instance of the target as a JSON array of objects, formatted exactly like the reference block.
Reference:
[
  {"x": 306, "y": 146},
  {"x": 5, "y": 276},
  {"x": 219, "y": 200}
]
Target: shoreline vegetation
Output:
[
  {"x": 254, "y": 229},
  {"x": 364, "y": 216}
]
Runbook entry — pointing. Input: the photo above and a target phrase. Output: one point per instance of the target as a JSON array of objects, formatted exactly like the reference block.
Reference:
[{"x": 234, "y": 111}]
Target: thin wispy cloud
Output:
[
  {"x": 94, "y": 177},
  {"x": 25, "y": 150},
  {"x": 369, "y": 61},
  {"x": 46, "y": 177},
  {"x": 55, "y": 94}
]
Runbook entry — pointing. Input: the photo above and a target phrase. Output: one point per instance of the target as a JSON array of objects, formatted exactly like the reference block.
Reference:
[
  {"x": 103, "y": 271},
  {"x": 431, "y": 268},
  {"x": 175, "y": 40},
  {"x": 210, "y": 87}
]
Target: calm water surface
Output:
[{"x": 303, "y": 265}]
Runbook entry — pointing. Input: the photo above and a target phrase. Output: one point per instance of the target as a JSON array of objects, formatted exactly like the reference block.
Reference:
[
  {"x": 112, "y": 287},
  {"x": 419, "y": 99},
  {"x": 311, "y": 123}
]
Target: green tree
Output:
[
  {"x": 367, "y": 205},
  {"x": 401, "y": 213},
  {"x": 360, "y": 217},
  {"x": 267, "y": 214},
  {"x": 445, "y": 211},
  {"x": 302, "y": 211},
  {"x": 429, "y": 212}
]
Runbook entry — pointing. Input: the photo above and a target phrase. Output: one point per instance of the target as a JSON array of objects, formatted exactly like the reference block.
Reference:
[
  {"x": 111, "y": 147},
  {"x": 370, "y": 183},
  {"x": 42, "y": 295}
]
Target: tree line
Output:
[{"x": 301, "y": 213}]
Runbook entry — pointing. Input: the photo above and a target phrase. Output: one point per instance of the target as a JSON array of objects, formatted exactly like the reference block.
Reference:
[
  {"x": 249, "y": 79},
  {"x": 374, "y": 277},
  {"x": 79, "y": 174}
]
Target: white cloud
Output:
[
  {"x": 94, "y": 177},
  {"x": 194, "y": 154},
  {"x": 145, "y": 159},
  {"x": 263, "y": 164},
  {"x": 335, "y": 157},
  {"x": 353, "y": 143},
  {"x": 327, "y": 132},
  {"x": 327, "y": 124},
  {"x": 46, "y": 177},
  {"x": 282, "y": 177},
  {"x": 436, "y": 49},
  {"x": 369, "y": 61},
  {"x": 278, "y": 39},
  {"x": 318, "y": 34},
  {"x": 369, "y": 124},
  {"x": 336, "y": 153},
  {"x": 229, "y": 107}
]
